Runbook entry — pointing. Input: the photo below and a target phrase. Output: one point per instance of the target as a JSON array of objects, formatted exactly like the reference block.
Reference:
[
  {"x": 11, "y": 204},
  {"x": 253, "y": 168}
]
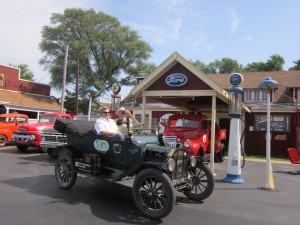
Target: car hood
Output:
[{"x": 35, "y": 127}]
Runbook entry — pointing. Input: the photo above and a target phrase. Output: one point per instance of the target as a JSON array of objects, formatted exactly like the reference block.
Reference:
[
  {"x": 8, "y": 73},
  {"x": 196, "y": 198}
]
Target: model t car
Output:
[{"x": 158, "y": 170}]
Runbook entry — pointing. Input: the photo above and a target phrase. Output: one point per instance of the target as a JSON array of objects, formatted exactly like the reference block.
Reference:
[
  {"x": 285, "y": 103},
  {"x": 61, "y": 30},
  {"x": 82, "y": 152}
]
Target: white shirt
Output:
[{"x": 103, "y": 124}]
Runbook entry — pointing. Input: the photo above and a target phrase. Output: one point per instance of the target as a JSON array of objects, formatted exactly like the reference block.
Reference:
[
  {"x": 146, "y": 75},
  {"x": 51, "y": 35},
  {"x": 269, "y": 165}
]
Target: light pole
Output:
[
  {"x": 270, "y": 85},
  {"x": 62, "y": 100},
  {"x": 92, "y": 91}
]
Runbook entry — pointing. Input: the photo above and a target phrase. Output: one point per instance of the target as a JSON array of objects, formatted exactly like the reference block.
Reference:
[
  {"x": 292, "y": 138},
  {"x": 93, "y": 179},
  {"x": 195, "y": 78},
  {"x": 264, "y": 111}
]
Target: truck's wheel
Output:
[
  {"x": 3, "y": 140},
  {"x": 202, "y": 183},
  {"x": 153, "y": 193},
  {"x": 53, "y": 152},
  {"x": 65, "y": 171},
  {"x": 22, "y": 148}
]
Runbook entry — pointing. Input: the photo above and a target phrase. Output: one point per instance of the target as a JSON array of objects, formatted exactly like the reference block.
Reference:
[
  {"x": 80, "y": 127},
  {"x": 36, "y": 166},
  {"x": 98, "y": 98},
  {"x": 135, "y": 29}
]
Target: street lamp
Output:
[
  {"x": 270, "y": 85},
  {"x": 92, "y": 91},
  {"x": 64, "y": 81}
]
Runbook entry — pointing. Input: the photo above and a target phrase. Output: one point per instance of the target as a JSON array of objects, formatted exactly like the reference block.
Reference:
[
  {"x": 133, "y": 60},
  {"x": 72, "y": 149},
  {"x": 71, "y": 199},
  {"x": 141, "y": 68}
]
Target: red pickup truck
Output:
[
  {"x": 193, "y": 133},
  {"x": 9, "y": 123},
  {"x": 29, "y": 135}
]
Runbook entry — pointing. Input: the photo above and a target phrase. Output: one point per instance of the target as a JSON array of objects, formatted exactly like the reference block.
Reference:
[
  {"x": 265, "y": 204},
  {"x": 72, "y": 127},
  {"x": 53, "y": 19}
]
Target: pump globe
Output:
[{"x": 268, "y": 83}]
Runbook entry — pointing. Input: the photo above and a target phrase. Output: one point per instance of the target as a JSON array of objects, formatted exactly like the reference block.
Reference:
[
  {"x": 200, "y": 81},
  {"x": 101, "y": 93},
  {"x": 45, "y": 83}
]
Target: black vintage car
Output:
[{"x": 157, "y": 169}]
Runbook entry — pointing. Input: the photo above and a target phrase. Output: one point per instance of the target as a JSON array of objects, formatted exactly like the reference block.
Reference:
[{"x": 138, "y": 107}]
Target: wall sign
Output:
[
  {"x": 176, "y": 80},
  {"x": 278, "y": 123}
]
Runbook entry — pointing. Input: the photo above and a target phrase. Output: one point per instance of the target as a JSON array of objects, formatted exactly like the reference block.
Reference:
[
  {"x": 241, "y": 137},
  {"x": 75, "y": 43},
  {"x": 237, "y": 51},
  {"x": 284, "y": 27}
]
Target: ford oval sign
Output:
[{"x": 176, "y": 80}]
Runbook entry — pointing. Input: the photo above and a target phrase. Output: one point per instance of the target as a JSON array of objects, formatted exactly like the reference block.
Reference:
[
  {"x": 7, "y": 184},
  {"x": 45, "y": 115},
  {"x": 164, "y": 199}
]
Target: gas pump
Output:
[{"x": 235, "y": 115}]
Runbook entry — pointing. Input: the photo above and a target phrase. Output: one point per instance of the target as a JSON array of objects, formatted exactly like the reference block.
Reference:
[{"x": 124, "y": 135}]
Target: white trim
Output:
[
  {"x": 212, "y": 134},
  {"x": 180, "y": 93}
]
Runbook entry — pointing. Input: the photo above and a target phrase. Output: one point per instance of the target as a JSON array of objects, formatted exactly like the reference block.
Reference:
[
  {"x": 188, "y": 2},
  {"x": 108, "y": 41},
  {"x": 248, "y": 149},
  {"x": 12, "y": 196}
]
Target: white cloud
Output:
[
  {"x": 160, "y": 34},
  {"x": 234, "y": 21}
]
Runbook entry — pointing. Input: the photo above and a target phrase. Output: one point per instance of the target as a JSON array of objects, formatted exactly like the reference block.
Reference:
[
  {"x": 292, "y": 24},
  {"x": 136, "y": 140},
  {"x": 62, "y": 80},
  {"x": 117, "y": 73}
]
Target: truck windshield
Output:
[
  {"x": 7, "y": 119},
  {"x": 182, "y": 122},
  {"x": 47, "y": 119}
]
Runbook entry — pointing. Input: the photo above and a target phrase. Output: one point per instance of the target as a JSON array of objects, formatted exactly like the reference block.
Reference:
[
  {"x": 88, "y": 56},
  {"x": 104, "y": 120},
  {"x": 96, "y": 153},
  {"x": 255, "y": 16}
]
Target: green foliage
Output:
[
  {"x": 275, "y": 63},
  {"x": 207, "y": 69},
  {"x": 297, "y": 66},
  {"x": 226, "y": 65},
  {"x": 83, "y": 104},
  {"x": 25, "y": 73},
  {"x": 107, "y": 51}
]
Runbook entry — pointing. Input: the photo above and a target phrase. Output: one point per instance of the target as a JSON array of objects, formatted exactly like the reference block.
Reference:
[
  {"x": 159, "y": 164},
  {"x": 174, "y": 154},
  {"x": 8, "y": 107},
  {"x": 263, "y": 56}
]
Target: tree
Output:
[
  {"x": 225, "y": 65},
  {"x": 275, "y": 63},
  {"x": 297, "y": 66},
  {"x": 207, "y": 69},
  {"x": 83, "y": 104},
  {"x": 228, "y": 65},
  {"x": 25, "y": 73},
  {"x": 255, "y": 67},
  {"x": 107, "y": 51}
]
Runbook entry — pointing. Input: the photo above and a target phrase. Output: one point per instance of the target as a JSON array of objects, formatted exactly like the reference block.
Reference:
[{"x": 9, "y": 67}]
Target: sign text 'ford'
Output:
[{"x": 176, "y": 80}]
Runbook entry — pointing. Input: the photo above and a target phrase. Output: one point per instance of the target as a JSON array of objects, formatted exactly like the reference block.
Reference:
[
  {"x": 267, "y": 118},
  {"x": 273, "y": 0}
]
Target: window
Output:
[
  {"x": 1, "y": 79},
  {"x": 264, "y": 96},
  {"x": 248, "y": 96},
  {"x": 139, "y": 118},
  {"x": 255, "y": 95}
]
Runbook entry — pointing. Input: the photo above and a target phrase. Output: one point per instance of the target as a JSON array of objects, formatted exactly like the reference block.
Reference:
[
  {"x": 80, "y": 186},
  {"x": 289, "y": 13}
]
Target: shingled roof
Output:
[
  {"x": 28, "y": 100},
  {"x": 287, "y": 80}
]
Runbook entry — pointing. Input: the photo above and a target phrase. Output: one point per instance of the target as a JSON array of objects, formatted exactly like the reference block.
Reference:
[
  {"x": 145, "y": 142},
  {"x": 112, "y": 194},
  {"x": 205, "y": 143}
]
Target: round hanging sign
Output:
[
  {"x": 116, "y": 88},
  {"x": 236, "y": 79}
]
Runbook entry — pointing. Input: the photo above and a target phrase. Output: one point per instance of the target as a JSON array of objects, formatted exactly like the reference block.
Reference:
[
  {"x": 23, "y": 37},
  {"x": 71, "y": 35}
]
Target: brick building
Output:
[{"x": 24, "y": 96}]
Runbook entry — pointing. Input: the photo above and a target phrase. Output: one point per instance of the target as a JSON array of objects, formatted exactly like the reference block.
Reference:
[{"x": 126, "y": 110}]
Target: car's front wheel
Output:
[
  {"x": 153, "y": 193},
  {"x": 65, "y": 173},
  {"x": 3, "y": 140},
  {"x": 201, "y": 182}
]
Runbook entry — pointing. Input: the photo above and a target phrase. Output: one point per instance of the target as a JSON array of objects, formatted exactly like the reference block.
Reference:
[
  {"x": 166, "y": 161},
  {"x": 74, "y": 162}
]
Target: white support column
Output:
[
  {"x": 213, "y": 134},
  {"x": 143, "y": 112}
]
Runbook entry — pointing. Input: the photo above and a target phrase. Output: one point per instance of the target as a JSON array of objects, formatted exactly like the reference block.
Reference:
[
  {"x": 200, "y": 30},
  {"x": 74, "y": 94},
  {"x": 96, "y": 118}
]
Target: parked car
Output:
[
  {"x": 52, "y": 140},
  {"x": 157, "y": 169},
  {"x": 193, "y": 133},
  {"x": 28, "y": 135},
  {"x": 8, "y": 124}
]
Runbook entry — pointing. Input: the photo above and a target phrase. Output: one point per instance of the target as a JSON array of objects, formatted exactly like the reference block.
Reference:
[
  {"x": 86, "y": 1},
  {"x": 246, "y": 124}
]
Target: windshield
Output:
[
  {"x": 6, "y": 119},
  {"x": 47, "y": 119},
  {"x": 182, "y": 122},
  {"x": 143, "y": 139}
]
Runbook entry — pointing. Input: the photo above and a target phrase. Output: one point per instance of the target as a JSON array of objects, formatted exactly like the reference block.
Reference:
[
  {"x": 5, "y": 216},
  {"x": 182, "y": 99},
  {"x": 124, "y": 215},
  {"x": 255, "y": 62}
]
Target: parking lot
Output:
[{"x": 29, "y": 195}]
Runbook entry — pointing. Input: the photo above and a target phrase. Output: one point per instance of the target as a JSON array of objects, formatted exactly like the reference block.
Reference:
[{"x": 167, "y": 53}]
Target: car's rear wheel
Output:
[
  {"x": 153, "y": 193},
  {"x": 3, "y": 140},
  {"x": 22, "y": 148},
  {"x": 65, "y": 173},
  {"x": 202, "y": 182}
]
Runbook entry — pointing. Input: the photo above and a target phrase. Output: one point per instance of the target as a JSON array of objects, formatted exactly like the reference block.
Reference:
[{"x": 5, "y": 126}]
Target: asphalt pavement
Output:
[{"x": 29, "y": 195}]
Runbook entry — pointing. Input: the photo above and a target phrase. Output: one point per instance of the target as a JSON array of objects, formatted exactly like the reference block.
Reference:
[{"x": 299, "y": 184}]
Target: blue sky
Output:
[{"x": 248, "y": 31}]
